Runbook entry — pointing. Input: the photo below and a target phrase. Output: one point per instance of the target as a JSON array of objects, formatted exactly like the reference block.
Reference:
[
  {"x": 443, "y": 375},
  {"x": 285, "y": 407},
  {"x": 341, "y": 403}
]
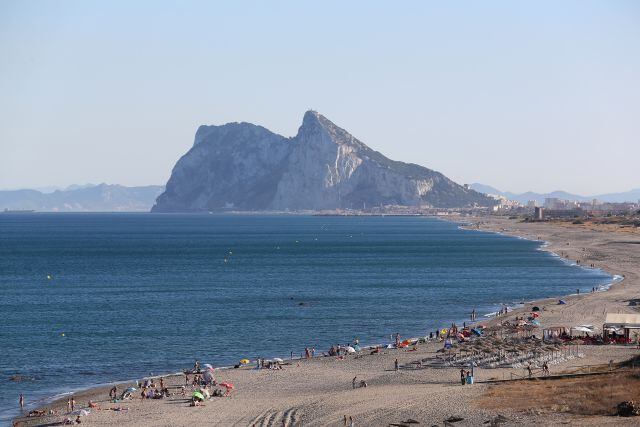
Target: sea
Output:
[{"x": 91, "y": 298}]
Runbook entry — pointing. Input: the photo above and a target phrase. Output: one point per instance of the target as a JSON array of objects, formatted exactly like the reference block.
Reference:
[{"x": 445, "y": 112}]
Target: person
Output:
[
  {"x": 196, "y": 366},
  {"x": 469, "y": 378},
  {"x": 529, "y": 370},
  {"x": 363, "y": 383},
  {"x": 78, "y": 421},
  {"x": 545, "y": 369},
  {"x": 345, "y": 421},
  {"x": 69, "y": 405},
  {"x": 186, "y": 378},
  {"x": 113, "y": 393},
  {"x": 351, "y": 424},
  {"x": 395, "y": 365},
  {"x": 93, "y": 405},
  {"x": 21, "y": 402},
  {"x": 397, "y": 339},
  {"x": 161, "y": 383},
  {"x": 353, "y": 382},
  {"x": 463, "y": 380}
]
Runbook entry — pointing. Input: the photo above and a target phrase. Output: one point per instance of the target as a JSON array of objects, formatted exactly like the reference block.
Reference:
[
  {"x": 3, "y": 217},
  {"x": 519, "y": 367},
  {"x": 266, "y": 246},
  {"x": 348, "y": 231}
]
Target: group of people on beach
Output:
[
  {"x": 466, "y": 377},
  {"x": 309, "y": 352}
]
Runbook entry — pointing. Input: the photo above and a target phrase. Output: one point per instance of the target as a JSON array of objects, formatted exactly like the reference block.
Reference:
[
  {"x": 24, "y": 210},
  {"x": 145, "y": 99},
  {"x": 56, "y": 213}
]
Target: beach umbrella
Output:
[
  {"x": 277, "y": 359},
  {"x": 80, "y": 412},
  {"x": 208, "y": 375},
  {"x": 207, "y": 366},
  {"x": 245, "y": 361},
  {"x": 351, "y": 349},
  {"x": 198, "y": 395}
]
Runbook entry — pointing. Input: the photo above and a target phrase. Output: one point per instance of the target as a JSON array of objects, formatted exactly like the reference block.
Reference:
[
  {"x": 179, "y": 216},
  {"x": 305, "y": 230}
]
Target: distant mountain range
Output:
[
  {"x": 628, "y": 196},
  {"x": 242, "y": 166},
  {"x": 83, "y": 198}
]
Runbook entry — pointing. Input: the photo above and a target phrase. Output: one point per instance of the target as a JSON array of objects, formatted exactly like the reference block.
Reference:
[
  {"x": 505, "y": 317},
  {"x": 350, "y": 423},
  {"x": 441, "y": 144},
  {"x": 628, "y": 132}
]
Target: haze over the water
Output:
[{"x": 519, "y": 96}]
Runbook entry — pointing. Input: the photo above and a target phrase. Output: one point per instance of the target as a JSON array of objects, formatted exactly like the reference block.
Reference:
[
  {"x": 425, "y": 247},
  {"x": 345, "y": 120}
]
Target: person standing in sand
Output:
[
  {"x": 395, "y": 365},
  {"x": 353, "y": 382},
  {"x": 463, "y": 379}
]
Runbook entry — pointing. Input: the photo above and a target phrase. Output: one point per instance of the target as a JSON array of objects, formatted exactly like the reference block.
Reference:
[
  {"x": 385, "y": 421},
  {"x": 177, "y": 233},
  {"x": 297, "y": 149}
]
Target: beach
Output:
[{"x": 320, "y": 391}]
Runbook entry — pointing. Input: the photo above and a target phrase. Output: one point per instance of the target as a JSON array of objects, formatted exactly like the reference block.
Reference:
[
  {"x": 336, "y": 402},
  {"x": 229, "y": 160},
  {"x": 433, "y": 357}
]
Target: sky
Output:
[{"x": 522, "y": 96}]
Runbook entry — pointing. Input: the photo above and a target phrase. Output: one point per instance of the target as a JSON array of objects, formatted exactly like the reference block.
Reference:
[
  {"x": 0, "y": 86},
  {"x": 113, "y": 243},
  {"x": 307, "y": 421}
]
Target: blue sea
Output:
[{"x": 92, "y": 298}]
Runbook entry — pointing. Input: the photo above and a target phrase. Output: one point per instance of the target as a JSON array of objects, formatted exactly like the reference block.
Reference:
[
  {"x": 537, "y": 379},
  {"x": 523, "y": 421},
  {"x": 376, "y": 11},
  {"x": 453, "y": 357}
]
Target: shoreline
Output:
[
  {"x": 547, "y": 245},
  {"x": 486, "y": 318}
]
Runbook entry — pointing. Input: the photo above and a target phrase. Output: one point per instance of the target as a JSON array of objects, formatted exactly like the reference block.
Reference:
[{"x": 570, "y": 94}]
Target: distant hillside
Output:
[
  {"x": 82, "y": 198},
  {"x": 628, "y": 196}
]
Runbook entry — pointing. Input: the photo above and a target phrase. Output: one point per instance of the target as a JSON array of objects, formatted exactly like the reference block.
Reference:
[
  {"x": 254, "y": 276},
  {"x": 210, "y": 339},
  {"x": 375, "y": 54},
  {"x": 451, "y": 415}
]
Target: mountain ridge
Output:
[
  {"x": 247, "y": 167},
  {"x": 83, "y": 198},
  {"x": 627, "y": 196}
]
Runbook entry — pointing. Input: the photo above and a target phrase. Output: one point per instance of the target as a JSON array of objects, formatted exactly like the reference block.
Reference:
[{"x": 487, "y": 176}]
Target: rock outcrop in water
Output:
[{"x": 242, "y": 166}]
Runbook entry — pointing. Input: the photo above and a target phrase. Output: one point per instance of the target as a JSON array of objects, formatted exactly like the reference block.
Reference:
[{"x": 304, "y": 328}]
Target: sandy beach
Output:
[{"x": 319, "y": 392}]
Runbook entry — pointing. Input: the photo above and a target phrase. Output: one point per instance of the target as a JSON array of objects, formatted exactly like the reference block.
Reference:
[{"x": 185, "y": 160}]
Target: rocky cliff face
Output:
[{"x": 247, "y": 167}]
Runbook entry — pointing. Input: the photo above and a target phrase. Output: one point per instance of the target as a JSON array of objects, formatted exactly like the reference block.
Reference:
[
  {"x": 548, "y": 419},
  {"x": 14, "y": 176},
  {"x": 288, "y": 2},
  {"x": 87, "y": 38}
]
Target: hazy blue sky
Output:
[{"x": 523, "y": 96}]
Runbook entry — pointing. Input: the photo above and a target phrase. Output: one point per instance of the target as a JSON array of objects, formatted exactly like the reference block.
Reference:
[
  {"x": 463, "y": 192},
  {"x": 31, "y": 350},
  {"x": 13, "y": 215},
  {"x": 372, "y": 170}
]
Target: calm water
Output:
[{"x": 141, "y": 293}]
